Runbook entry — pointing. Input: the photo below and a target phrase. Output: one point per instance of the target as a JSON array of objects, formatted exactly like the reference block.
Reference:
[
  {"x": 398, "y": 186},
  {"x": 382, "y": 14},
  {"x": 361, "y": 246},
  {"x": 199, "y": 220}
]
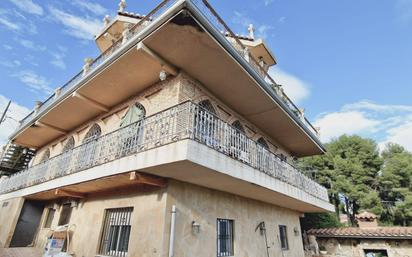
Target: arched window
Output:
[
  {"x": 238, "y": 126},
  {"x": 261, "y": 141},
  {"x": 94, "y": 132},
  {"x": 136, "y": 113},
  {"x": 69, "y": 144},
  {"x": 45, "y": 156},
  {"x": 207, "y": 105}
]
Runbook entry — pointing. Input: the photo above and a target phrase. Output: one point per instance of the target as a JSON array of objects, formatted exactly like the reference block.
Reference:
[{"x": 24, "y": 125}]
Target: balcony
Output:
[
  {"x": 186, "y": 121},
  {"x": 289, "y": 115}
]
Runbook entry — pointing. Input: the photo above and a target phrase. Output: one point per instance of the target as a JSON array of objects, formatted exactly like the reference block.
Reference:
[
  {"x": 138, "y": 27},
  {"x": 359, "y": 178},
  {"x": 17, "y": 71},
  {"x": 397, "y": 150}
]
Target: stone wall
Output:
[
  {"x": 155, "y": 99},
  {"x": 356, "y": 247}
]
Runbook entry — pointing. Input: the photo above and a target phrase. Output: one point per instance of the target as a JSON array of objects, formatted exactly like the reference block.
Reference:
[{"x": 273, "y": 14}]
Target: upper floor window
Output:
[
  {"x": 225, "y": 237},
  {"x": 45, "y": 156},
  {"x": 207, "y": 105},
  {"x": 261, "y": 141},
  {"x": 135, "y": 113},
  {"x": 116, "y": 232},
  {"x": 65, "y": 214},
  {"x": 94, "y": 132},
  {"x": 238, "y": 126},
  {"x": 283, "y": 234},
  {"x": 69, "y": 144}
]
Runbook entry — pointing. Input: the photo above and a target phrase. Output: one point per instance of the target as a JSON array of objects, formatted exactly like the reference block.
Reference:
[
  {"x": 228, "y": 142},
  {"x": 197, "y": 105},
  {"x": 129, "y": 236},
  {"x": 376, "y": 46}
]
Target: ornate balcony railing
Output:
[
  {"x": 156, "y": 13},
  {"x": 183, "y": 121}
]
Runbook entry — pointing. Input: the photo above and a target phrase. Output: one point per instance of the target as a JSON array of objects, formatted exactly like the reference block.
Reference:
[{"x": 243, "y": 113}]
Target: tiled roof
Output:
[
  {"x": 349, "y": 232},
  {"x": 366, "y": 216}
]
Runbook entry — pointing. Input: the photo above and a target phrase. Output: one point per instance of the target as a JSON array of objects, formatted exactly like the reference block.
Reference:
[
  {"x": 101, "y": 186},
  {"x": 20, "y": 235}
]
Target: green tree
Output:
[
  {"x": 396, "y": 185},
  {"x": 349, "y": 170}
]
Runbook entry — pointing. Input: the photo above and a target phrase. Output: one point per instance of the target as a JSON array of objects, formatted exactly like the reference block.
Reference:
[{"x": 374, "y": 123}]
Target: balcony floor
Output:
[{"x": 189, "y": 161}]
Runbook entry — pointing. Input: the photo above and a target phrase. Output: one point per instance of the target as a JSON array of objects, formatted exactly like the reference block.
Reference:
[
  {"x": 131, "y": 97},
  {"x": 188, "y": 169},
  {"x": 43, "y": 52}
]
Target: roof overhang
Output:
[{"x": 194, "y": 46}]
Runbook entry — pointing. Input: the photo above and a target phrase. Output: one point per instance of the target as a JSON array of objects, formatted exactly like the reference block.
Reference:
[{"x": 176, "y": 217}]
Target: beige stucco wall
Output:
[
  {"x": 355, "y": 247},
  {"x": 155, "y": 99},
  {"x": 86, "y": 221},
  {"x": 9, "y": 215},
  {"x": 204, "y": 206}
]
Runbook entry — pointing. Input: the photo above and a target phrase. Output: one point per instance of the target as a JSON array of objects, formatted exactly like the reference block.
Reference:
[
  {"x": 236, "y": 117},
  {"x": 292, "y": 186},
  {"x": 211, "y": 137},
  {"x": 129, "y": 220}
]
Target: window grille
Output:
[
  {"x": 49, "y": 217},
  {"x": 94, "y": 132},
  {"x": 207, "y": 105},
  {"x": 116, "y": 232},
  {"x": 46, "y": 156},
  {"x": 225, "y": 237},
  {"x": 283, "y": 234},
  {"x": 238, "y": 126},
  {"x": 263, "y": 143},
  {"x": 68, "y": 145}
]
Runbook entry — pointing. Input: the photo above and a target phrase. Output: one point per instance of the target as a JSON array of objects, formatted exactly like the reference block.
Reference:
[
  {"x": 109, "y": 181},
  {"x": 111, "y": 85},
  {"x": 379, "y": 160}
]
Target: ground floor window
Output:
[
  {"x": 375, "y": 253},
  {"x": 283, "y": 236},
  {"x": 49, "y": 217},
  {"x": 116, "y": 232},
  {"x": 65, "y": 214},
  {"x": 225, "y": 229}
]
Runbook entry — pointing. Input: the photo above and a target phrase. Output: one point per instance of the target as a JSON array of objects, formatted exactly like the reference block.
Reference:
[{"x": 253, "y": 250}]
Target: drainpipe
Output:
[{"x": 172, "y": 232}]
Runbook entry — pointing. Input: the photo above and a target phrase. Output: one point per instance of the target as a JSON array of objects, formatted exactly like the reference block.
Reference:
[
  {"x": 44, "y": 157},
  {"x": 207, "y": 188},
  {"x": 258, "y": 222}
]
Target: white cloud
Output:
[
  {"x": 7, "y": 47},
  {"x": 34, "y": 81},
  {"x": 90, "y": 6},
  {"x": 79, "y": 27},
  {"x": 28, "y": 6},
  {"x": 15, "y": 113},
  {"x": 335, "y": 124},
  {"x": 31, "y": 45},
  {"x": 10, "y": 63},
  {"x": 296, "y": 89},
  {"x": 57, "y": 60},
  {"x": 262, "y": 30},
  {"x": 9, "y": 24},
  {"x": 401, "y": 135},
  {"x": 384, "y": 123}
]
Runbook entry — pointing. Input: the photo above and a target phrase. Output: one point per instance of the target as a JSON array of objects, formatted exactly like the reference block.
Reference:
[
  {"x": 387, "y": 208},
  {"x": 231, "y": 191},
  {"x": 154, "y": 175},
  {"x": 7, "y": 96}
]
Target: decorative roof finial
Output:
[
  {"x": 251, "y": 30},
  {"x": 106, "y": 20},
  {"x": 122, "y": 5}
]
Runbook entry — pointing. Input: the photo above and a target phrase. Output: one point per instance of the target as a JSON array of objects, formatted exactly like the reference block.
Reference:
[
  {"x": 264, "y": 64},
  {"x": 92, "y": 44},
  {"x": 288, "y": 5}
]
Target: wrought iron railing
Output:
[
  {"x": 183, "y": 121},
  {"x": 214, "y": 19}
]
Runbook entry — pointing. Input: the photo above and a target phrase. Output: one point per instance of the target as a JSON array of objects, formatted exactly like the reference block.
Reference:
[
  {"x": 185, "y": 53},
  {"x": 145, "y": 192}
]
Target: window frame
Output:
[
  {"x": 48, "y": 221},
  {"x": 284, "y": 237},
  {"x": 108, "y": 234},
  {"x": 231, "y": 237},
  {"x": 68, "y": 216}
]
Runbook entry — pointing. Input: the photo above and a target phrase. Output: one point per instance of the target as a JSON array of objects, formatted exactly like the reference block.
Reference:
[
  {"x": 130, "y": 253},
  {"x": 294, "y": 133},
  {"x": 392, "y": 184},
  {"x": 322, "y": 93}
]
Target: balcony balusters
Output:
[{"x": 183, "y": 121}]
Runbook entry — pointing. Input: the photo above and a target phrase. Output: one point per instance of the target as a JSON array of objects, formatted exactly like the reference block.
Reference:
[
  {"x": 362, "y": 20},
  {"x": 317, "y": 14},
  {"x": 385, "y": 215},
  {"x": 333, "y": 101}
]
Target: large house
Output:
[{"x": 175, "y": 141}]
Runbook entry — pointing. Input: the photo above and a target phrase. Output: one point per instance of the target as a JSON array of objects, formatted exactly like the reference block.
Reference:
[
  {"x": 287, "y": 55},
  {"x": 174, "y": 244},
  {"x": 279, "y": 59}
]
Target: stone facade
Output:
[
  {"x": 155, "y": 99},
  {"x": 356, "y": 247}
]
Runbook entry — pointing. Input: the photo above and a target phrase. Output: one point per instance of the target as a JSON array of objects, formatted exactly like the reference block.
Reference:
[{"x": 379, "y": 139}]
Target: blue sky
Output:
[{"x": 348, "y": 63}]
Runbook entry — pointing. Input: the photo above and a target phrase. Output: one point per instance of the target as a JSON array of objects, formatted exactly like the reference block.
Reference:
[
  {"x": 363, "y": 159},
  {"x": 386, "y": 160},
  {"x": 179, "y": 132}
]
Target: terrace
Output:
[
  {"x": 134, "y": 34},
  {"x": 186, "y": 121}
]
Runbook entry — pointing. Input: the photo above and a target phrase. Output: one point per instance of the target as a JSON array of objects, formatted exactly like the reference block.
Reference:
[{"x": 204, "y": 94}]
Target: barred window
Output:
[
  {"x": 207, "y": 105},
  {"x": 261, "y": 141},
  {"x": 283, "y": 234},
  {"x": 116, "y": 232},
  {"x": 45, "y": 156},
  {"x": 68, "y": 145},
  {"x": 94, "y": 132},
  {"x": 238, "y": 126},
  {"x": 225, "y": 229}
]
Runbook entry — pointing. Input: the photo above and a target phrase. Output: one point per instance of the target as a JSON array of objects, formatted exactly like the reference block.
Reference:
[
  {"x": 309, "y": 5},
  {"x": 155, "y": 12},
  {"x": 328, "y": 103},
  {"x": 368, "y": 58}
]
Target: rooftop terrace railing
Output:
[
  {"x": 213, "y": 18},
  {"x": 183, "y": 121}
]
